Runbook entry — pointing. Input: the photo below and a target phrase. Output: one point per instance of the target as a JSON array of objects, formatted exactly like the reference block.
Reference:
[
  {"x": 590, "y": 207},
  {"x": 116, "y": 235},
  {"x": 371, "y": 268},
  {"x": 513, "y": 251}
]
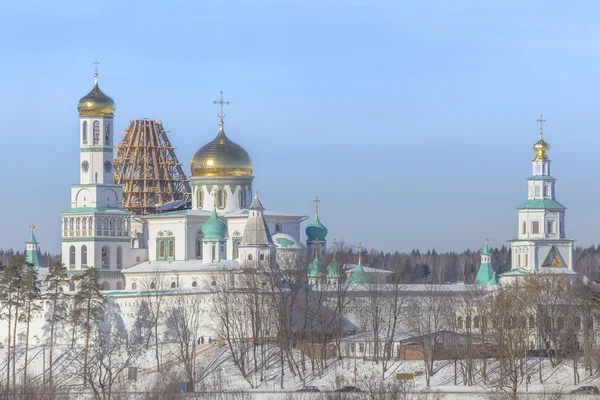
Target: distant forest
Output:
[
  {"x": 6, "y": 257},
  {"x": 434, "y": 267},
  {"x": 417, "y": 267}
]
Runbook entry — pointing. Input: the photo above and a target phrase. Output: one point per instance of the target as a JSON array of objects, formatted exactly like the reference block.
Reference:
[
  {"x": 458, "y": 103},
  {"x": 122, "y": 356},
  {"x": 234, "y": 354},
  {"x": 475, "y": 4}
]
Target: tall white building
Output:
[
  {"x": 96, "y": 229},
  {"x": 541, "y": 246}
]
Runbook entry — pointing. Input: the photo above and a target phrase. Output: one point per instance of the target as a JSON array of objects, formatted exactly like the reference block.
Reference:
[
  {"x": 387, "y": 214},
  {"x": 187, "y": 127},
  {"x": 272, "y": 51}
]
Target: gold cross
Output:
[
  {"x": 541, "y": 121},
  {"x": 96, "y": 63},
  {"x": 31, "y": 227},
  {"x": 334, "y": 247},
  {"x": 221, "y": 103},
  {"x": 317, "y": 201}
]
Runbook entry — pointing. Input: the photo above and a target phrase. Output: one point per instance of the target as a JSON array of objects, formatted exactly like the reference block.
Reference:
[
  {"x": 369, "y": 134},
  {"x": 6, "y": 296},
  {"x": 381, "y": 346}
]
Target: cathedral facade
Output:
[{"x": 226, "y": 226}]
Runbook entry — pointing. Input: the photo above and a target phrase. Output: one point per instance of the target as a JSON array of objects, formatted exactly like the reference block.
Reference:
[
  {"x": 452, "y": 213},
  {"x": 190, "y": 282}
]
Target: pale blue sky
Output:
[{"x": 412, "y": 121}]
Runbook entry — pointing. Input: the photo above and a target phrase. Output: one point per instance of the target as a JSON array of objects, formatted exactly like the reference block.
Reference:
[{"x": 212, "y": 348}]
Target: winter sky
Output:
[{"x": 412, "y": 121}]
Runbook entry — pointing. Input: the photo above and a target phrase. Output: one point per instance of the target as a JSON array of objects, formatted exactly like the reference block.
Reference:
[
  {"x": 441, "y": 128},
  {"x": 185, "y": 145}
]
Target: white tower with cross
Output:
[
  {"x": 96, "y": 229},
  {"x": 541, "y": 245}
]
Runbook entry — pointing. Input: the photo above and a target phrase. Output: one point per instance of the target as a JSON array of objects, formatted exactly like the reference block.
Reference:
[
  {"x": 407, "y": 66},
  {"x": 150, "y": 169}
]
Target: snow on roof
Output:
[
  {"x": 368, "y": 270},
  {"x": 181, "y": 266}
]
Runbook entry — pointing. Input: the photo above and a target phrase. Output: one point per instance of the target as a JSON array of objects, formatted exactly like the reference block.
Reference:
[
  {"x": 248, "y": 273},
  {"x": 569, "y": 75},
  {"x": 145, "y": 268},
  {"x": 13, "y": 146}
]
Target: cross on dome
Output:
[
  {"x": 541, "y": 121},
  {"x": 96, "y": 63},
  {"x": 317, "y": 201},
  {"x": 221, "y": 103}
]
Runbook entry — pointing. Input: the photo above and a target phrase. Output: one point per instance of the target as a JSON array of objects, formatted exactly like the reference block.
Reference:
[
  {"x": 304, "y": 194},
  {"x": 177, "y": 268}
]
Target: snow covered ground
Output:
[{"x": 219, "y": 373}]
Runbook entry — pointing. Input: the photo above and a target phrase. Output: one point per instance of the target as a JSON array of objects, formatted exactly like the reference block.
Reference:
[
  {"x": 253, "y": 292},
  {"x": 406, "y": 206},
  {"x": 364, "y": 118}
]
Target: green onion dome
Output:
[
  {"x": 214, "y": 228},
  {"x": 313, "y": 268},
  {"x": 316, "y": 230},
  {"x": 333, "y": 269}
]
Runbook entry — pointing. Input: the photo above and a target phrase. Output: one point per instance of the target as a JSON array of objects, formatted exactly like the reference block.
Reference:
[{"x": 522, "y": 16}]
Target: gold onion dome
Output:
[
  {"x": 96, "y": 103},
  {"x": 221, "y": 157},
  {"x": 541, "y": 147}
]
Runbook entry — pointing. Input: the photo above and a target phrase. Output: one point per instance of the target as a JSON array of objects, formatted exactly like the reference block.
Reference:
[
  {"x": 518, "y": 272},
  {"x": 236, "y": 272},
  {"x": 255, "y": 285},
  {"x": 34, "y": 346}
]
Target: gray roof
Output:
[{"x": 256, "y": 230}]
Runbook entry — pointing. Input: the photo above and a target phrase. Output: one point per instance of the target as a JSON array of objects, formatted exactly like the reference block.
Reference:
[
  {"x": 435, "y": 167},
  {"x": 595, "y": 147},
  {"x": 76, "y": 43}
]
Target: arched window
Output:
[
  {"x": 531, "y": 322},
  {"x": 194, "y": 284},
  {"x": 72, "y": 257},
  {"x": 107, "y": 133},
  {"x": 84, "y": 132},
  {"x": 119, "y": 286},
  {"x": 66, "y": 225},
  {"x": 84, "y": 225},
  {"x": 161, "y": 249},
  {"x": 173, "y": 285},
  {"x": 213, "y": 252},
  {"x": 236, "y": 245},
  {"x": 249, "y": 257},
  {"x": 96, "y": 132},
  {"x": 152, "y": 285},
  {"x": 278, "y": 228},
  {"x": 83, "y": 256},
  {"x": 119, "y": 257},
  {"x": 242, "y": 195},
  {"x": 134, "y": 286},
  {"x": 476, "y": 322},
  {"x": 71, "y": 286},
  {"x": 78, "y": 224},
  {"x": 261, "y": 257},
  {"x": 220, "y": 199},
  {"x": 171, "y": 249},
  {"x": 105, "y": 285},
  {"x": 199, "y": 236},
  {"x": 200, "y": 198},
  {"x": 468, "y": 323},
  {"x": 459, "y": 323},
  {"x": 577, "y": 323},
  {"x": 105, "y": 257}
]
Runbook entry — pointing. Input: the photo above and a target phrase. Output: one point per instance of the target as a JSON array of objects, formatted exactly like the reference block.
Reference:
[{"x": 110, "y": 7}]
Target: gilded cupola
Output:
[
  {"x": 221, "y": 157},
  {"x": 96, "y": 103},
  {"x": 541, "y": 146}
]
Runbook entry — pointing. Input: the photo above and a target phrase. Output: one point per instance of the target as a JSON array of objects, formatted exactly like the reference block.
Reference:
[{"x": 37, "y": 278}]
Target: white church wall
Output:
[{"x": 176, "y": 226}]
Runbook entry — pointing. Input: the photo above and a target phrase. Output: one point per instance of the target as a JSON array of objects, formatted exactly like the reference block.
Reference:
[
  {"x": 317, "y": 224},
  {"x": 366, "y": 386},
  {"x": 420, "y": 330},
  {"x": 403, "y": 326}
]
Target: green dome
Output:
[
  {"x": 316, "y": 230},
  {"x": 358, "y": 277},
  {"x": 333, "y": 269},
  {"x": 214, "y": 228},
  {"x": 313, "y": 268}
]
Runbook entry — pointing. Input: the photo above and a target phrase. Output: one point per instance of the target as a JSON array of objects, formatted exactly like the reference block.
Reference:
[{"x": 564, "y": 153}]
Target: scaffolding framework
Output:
[{"x": 148, "y": 169}]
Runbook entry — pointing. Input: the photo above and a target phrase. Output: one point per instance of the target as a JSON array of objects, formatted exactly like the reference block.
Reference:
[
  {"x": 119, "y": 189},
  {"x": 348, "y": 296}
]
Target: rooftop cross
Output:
[
  {"x": 317, "y": 201},
  {"x": 96, "y": 63},
  {"x": 541, "y": 121},
  {"x": 359, "y": 249},
  {"x": 31, "y": 227},
  {"x": 221, "y": 103},
  {"x": 334, "y": 247}
]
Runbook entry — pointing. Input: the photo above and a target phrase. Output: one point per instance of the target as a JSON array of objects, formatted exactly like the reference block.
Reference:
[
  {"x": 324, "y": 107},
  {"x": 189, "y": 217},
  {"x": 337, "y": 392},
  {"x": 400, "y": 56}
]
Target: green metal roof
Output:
[
  {"x": 486, "y": 249},
  {"x": 334, "y": 268},
  {"x": 313, "y": 268},
  {"x": 316, "y": 230},
  {"x": 486, "y": 275},
  {"x": 214, "y": 228},
  {"x": 516, "y": 272},
  {"x": 541, "y": 178},
  {"x": 358, "y": 277},
  {"x": 541, "y": 204},
  {"x": 283, "y": 242}
]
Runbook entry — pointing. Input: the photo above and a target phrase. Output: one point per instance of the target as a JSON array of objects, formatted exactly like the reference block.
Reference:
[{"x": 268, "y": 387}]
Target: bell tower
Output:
[{"x": 96, "y": 229}]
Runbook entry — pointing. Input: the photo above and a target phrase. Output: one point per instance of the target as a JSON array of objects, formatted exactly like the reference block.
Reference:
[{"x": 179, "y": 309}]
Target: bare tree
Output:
[
  {"x": 153, "y": 302},
  {"x": 427, "y": 320},
  {"x": 182, "y": 320}
]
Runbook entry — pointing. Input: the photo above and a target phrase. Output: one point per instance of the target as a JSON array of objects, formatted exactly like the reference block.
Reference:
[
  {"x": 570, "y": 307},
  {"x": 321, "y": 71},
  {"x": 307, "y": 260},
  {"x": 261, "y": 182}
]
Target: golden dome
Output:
[
  {"x": 96, "y": 103},
  {"x": 541, "y": 147},
  {"x": 221, "y": 157}
]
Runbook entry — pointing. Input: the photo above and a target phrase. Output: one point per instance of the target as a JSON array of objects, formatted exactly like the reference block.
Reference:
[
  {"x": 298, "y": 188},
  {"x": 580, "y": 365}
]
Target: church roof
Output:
[
  {"x": 541, "y": 204},
  {"x": 316, "y": 230},
  {"x": 334, "y": 268},
  {"x": 486, "y": 275},
  {"x": 256, "y": 230},
  {"x": 314, "y": 269},
  {"x": 358, "y": 277},
  {"x": 214, "y": 228},
  {"x": 541, "y": 178}
]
